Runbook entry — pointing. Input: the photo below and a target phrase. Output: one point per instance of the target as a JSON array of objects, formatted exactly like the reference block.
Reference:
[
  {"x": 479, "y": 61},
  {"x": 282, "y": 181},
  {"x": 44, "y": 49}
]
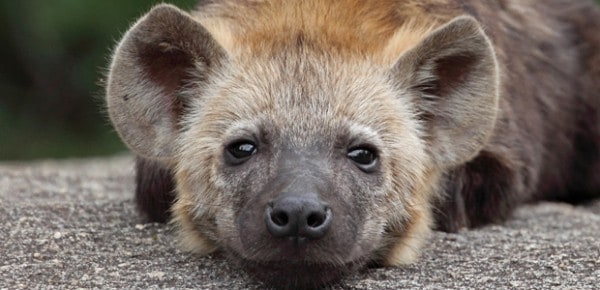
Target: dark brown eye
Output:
[
  {"x": 364, "y": 157},
  {"x": 240, "y": 151}
]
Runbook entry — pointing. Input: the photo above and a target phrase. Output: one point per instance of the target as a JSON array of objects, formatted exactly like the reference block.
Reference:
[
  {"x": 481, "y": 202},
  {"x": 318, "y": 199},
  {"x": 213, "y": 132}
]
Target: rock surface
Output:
[{"x": 72, "y": 224}]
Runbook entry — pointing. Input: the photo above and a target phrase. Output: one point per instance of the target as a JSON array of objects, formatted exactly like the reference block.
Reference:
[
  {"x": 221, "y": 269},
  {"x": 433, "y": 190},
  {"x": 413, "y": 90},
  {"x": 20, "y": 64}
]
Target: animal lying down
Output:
[{"x": 306, "y": 139}]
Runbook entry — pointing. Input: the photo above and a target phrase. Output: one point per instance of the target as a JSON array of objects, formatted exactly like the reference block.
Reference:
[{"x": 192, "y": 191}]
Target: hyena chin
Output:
[{"x": 306, "y": 139}]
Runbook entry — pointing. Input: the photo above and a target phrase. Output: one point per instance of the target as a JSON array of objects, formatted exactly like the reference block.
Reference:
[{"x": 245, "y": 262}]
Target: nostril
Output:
[
  {"x": 279, "y": 222},
  {"x": 315, "y": 219},
  {"x": 317, "y": 224},
  {"x": 280, "y": 218}
]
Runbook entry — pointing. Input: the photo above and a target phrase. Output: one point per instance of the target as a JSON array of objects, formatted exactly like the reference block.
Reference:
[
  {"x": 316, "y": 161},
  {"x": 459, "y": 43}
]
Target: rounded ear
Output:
[
  {"x": 163, "y": 53},
  {"x": 454, "y": 74}
]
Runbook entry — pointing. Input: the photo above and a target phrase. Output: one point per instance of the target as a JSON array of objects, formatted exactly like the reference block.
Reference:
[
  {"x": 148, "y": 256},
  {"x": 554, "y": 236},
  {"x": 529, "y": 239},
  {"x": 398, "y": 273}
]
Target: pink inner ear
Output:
[{"x": 451, "y": 72}]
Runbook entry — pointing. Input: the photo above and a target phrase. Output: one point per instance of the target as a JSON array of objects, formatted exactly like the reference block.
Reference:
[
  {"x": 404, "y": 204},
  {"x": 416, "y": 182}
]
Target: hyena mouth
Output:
[{"x": 299, "y": 274}]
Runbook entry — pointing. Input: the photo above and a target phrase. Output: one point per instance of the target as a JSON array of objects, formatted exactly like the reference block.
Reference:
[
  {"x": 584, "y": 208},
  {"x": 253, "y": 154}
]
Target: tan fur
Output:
[
  {"x": 188, "y": 239},
  {"x": 246, "y": 28}
]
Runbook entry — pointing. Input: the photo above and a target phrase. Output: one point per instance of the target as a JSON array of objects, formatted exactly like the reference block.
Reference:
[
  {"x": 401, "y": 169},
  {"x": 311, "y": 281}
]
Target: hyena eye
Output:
[
  {"x": 364, "y": 157},
  {"x": 240, "y": 151}
]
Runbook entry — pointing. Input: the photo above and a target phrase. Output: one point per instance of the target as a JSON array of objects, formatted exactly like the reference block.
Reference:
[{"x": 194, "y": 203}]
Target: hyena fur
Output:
[{"x": 306, "y": 139}]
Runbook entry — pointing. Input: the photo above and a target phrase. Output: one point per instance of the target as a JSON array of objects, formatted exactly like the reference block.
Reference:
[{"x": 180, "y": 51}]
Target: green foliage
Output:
[{"x": 54, "y": 57}]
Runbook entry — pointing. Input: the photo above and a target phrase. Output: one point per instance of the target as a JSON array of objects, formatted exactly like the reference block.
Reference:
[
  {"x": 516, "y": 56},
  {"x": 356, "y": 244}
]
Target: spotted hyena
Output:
[{"x": 306, "y": 139}]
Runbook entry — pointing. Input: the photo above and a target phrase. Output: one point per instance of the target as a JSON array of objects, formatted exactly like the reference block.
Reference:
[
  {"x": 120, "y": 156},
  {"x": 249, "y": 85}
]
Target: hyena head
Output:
[{"x": 301, "y": 157}]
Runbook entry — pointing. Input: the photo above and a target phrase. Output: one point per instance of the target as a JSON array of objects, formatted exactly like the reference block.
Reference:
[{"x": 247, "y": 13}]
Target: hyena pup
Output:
[{"x": 306, "y": 139}]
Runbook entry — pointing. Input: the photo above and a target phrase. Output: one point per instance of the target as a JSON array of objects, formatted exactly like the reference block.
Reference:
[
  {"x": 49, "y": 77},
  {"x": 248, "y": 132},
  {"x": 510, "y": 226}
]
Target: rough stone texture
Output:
[{"x": 72, "y": 224}]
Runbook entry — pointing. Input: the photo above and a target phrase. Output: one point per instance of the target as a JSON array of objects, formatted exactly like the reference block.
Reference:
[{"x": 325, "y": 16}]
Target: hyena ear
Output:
[
  {"x": 454, "y": 74},
  {"x": 165, "y": 52}
]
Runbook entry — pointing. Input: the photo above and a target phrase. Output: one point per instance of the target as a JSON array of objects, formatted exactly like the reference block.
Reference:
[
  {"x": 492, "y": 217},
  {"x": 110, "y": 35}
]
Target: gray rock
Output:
[{"x": 72, "y": 224}]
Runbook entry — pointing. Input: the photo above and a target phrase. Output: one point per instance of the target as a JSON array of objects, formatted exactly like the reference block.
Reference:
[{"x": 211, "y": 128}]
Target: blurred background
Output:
[{"x": 54, "y": 56}]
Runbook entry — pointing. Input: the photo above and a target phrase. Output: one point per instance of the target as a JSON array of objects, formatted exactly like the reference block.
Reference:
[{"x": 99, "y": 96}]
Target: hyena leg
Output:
[
  {"x": 485, "y": 190},
  {"x": 585, "y": 180},
  {"x": 154, "y": 193},
  {"x": 449, "y": 213}
]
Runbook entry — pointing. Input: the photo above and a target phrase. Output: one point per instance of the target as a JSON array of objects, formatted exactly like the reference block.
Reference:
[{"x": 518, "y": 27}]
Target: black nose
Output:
[{"x": 298, "y": 216}]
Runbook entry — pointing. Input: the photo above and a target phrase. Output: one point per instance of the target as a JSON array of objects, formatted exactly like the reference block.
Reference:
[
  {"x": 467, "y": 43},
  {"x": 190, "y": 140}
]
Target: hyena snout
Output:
[{"x": 298, "y": 218}]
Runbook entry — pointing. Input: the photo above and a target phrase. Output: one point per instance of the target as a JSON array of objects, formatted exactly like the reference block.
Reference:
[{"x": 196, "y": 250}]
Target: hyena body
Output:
[{"x": 307, "y": 138}]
